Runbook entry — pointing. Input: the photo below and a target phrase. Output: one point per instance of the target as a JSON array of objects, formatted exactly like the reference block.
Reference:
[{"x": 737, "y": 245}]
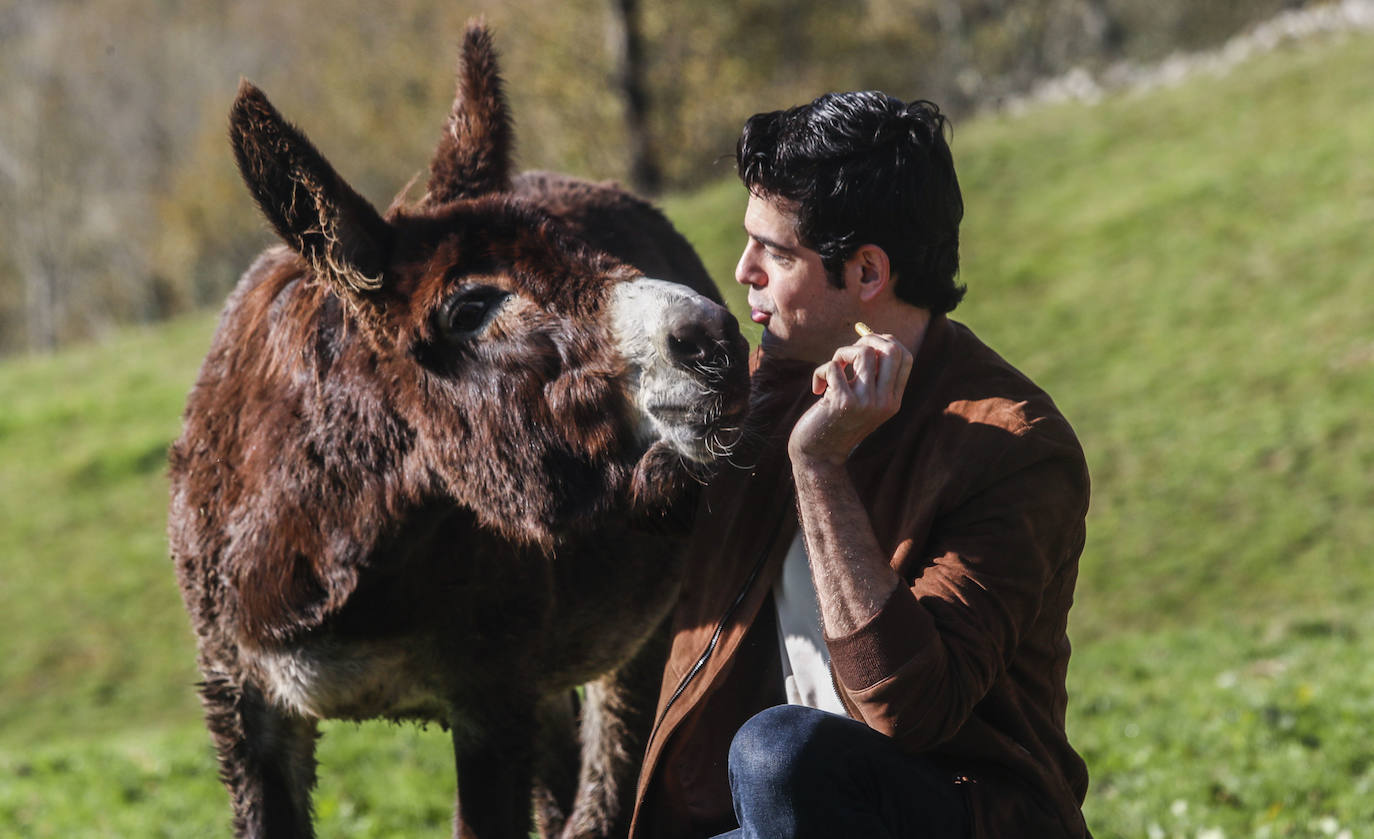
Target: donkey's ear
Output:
[
  {"x": 474, "y": 153},
  {"x": 312, "y": 208}
]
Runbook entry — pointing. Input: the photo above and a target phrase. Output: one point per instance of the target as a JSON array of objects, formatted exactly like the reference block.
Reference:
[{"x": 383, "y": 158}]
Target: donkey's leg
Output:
[
  {"x": 616, "y": 718},
  {"x": 266, "y": 758},
  {"x": 556, "y": 763},
  {"x": 493, "y": 749}
]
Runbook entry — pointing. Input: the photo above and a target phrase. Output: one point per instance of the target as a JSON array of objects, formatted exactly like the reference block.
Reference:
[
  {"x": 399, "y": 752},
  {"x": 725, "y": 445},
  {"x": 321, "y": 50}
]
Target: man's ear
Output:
[{"x": 868, "y": 268}]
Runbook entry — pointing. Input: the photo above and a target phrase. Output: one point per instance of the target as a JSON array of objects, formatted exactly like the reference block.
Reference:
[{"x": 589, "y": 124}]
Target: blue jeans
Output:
[{"x": 796, "y": 772}]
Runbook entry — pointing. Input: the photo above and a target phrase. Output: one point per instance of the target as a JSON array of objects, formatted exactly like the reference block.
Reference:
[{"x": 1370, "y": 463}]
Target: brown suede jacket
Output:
[{"x": 978, "y": 490}]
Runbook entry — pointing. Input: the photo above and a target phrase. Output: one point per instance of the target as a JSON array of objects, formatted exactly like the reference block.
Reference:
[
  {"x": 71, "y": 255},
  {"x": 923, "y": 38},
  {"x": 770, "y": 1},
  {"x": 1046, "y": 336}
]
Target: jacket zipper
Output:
[
  {"x": 715, "y": 636},
  {"x": 835, "y": 683}
]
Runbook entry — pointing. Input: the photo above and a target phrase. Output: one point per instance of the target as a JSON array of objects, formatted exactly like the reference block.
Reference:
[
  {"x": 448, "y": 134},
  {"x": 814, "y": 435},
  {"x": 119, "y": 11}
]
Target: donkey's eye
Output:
[
  {"x": 468, "y": 315},
  {"x": 465, "y": 313}
]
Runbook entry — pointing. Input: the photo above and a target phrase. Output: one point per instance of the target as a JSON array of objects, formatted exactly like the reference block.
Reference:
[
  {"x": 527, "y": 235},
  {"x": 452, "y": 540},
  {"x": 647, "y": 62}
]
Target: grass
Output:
[
  {"x": 1187, "y": 271},
  {"x": 88, "y": 612}
]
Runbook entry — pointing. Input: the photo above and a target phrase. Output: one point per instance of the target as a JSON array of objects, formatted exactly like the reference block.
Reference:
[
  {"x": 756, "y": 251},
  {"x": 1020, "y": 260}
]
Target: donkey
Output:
[{"x": 435, "y": 467}]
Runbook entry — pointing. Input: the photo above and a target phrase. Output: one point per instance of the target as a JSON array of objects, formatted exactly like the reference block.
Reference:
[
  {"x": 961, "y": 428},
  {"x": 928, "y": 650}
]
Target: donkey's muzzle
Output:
[{"x": 704, "y": 337}]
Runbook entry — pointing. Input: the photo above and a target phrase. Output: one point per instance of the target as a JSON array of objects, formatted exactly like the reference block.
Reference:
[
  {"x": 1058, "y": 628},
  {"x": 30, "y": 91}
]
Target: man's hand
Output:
[{"x": 860, "y": 388}]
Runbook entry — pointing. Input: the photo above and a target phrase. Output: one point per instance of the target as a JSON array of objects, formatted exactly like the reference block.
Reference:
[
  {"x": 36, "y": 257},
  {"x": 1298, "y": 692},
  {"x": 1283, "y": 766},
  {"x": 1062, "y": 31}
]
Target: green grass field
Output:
[{"x": 1189, "y": 271}]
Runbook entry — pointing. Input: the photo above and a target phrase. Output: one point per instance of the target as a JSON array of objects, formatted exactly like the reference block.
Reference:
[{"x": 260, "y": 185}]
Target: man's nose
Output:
[{"x": 747, "y": 270}]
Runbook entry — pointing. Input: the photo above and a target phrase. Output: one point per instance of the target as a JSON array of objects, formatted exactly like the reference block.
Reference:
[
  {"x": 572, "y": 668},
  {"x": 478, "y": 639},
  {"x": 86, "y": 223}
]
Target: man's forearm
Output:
[{"x": 852, "y": 576}]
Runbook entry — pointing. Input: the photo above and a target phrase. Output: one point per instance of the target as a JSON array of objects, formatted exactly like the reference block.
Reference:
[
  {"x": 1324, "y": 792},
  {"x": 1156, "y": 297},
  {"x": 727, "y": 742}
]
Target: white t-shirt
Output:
[{"x": 805, "y": 658}]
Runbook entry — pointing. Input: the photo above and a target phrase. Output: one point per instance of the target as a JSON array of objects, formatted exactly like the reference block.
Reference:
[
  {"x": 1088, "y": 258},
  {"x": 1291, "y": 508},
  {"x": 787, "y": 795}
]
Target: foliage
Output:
[
  {"x": 124, "y": 201},
  {"x": 1185, "y": 270}
]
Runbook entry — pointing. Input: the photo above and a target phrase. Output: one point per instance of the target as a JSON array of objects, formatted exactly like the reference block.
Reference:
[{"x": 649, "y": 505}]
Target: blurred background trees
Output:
[{"x": 122, "y": 201}]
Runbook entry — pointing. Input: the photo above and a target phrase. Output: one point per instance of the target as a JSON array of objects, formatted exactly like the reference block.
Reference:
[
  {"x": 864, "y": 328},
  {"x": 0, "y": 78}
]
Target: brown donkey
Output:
[{"x": 435, "y": 467}]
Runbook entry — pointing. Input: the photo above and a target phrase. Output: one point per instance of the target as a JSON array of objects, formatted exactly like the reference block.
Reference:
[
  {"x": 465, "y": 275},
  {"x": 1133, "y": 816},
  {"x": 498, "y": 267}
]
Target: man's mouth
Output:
[{"x": 759, "y": 316}]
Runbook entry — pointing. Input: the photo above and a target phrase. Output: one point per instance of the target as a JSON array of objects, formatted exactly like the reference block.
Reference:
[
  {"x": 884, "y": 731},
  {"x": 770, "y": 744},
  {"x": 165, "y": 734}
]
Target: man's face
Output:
[{"x": 804, "y": 316}]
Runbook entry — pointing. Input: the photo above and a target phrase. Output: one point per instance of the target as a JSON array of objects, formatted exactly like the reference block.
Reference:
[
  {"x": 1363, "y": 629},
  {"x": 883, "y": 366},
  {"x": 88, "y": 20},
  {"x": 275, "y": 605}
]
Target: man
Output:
[{"x": 898, "y": 562}]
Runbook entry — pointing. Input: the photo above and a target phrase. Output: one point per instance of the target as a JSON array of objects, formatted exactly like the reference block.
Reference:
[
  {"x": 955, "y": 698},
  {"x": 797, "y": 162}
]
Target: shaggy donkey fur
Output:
[{"x": 435, "y": 467}]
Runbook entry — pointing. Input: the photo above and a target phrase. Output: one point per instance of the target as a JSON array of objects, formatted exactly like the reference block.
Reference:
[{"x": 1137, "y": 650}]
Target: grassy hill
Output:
[{"x": 1188, "y": 271}]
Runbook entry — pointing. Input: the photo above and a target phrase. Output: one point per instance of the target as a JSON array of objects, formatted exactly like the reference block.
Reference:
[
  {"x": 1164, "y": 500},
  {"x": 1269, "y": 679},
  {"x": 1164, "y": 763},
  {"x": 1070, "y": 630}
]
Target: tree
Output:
[{"x": 628, "y": 42}]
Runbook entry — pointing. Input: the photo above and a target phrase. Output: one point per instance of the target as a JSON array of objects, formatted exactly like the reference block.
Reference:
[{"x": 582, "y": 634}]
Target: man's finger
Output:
[
  {"x": 847, "y": 358},
  {"x": 831, "y": 375},
  {"x": 879, "y": 366},
  {"x": 891, "y": 380},
  {"x": 823, "y": 375},
  {"x": 868, "y": 364}
]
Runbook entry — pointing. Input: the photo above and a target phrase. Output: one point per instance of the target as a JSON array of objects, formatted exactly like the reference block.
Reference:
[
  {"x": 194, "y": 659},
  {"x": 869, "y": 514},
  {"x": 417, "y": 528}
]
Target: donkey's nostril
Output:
[
  {"x": 689, "y": 343},
  {"x": 701, "y": 335}
]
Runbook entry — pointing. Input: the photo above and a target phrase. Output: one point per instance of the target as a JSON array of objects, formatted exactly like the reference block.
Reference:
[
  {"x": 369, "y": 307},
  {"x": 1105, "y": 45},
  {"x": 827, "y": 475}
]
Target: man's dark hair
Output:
[{"x": 865, "y": 168}]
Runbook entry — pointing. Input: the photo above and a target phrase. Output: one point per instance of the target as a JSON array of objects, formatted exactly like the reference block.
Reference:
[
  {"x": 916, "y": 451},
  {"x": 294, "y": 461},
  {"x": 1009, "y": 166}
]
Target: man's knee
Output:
[{"x": 771, "y": 747}]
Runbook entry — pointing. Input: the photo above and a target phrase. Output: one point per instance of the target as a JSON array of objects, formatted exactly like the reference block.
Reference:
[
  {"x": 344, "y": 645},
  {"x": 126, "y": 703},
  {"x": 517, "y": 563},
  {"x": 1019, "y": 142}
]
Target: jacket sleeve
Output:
[{"x": 932, "y": 652}]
